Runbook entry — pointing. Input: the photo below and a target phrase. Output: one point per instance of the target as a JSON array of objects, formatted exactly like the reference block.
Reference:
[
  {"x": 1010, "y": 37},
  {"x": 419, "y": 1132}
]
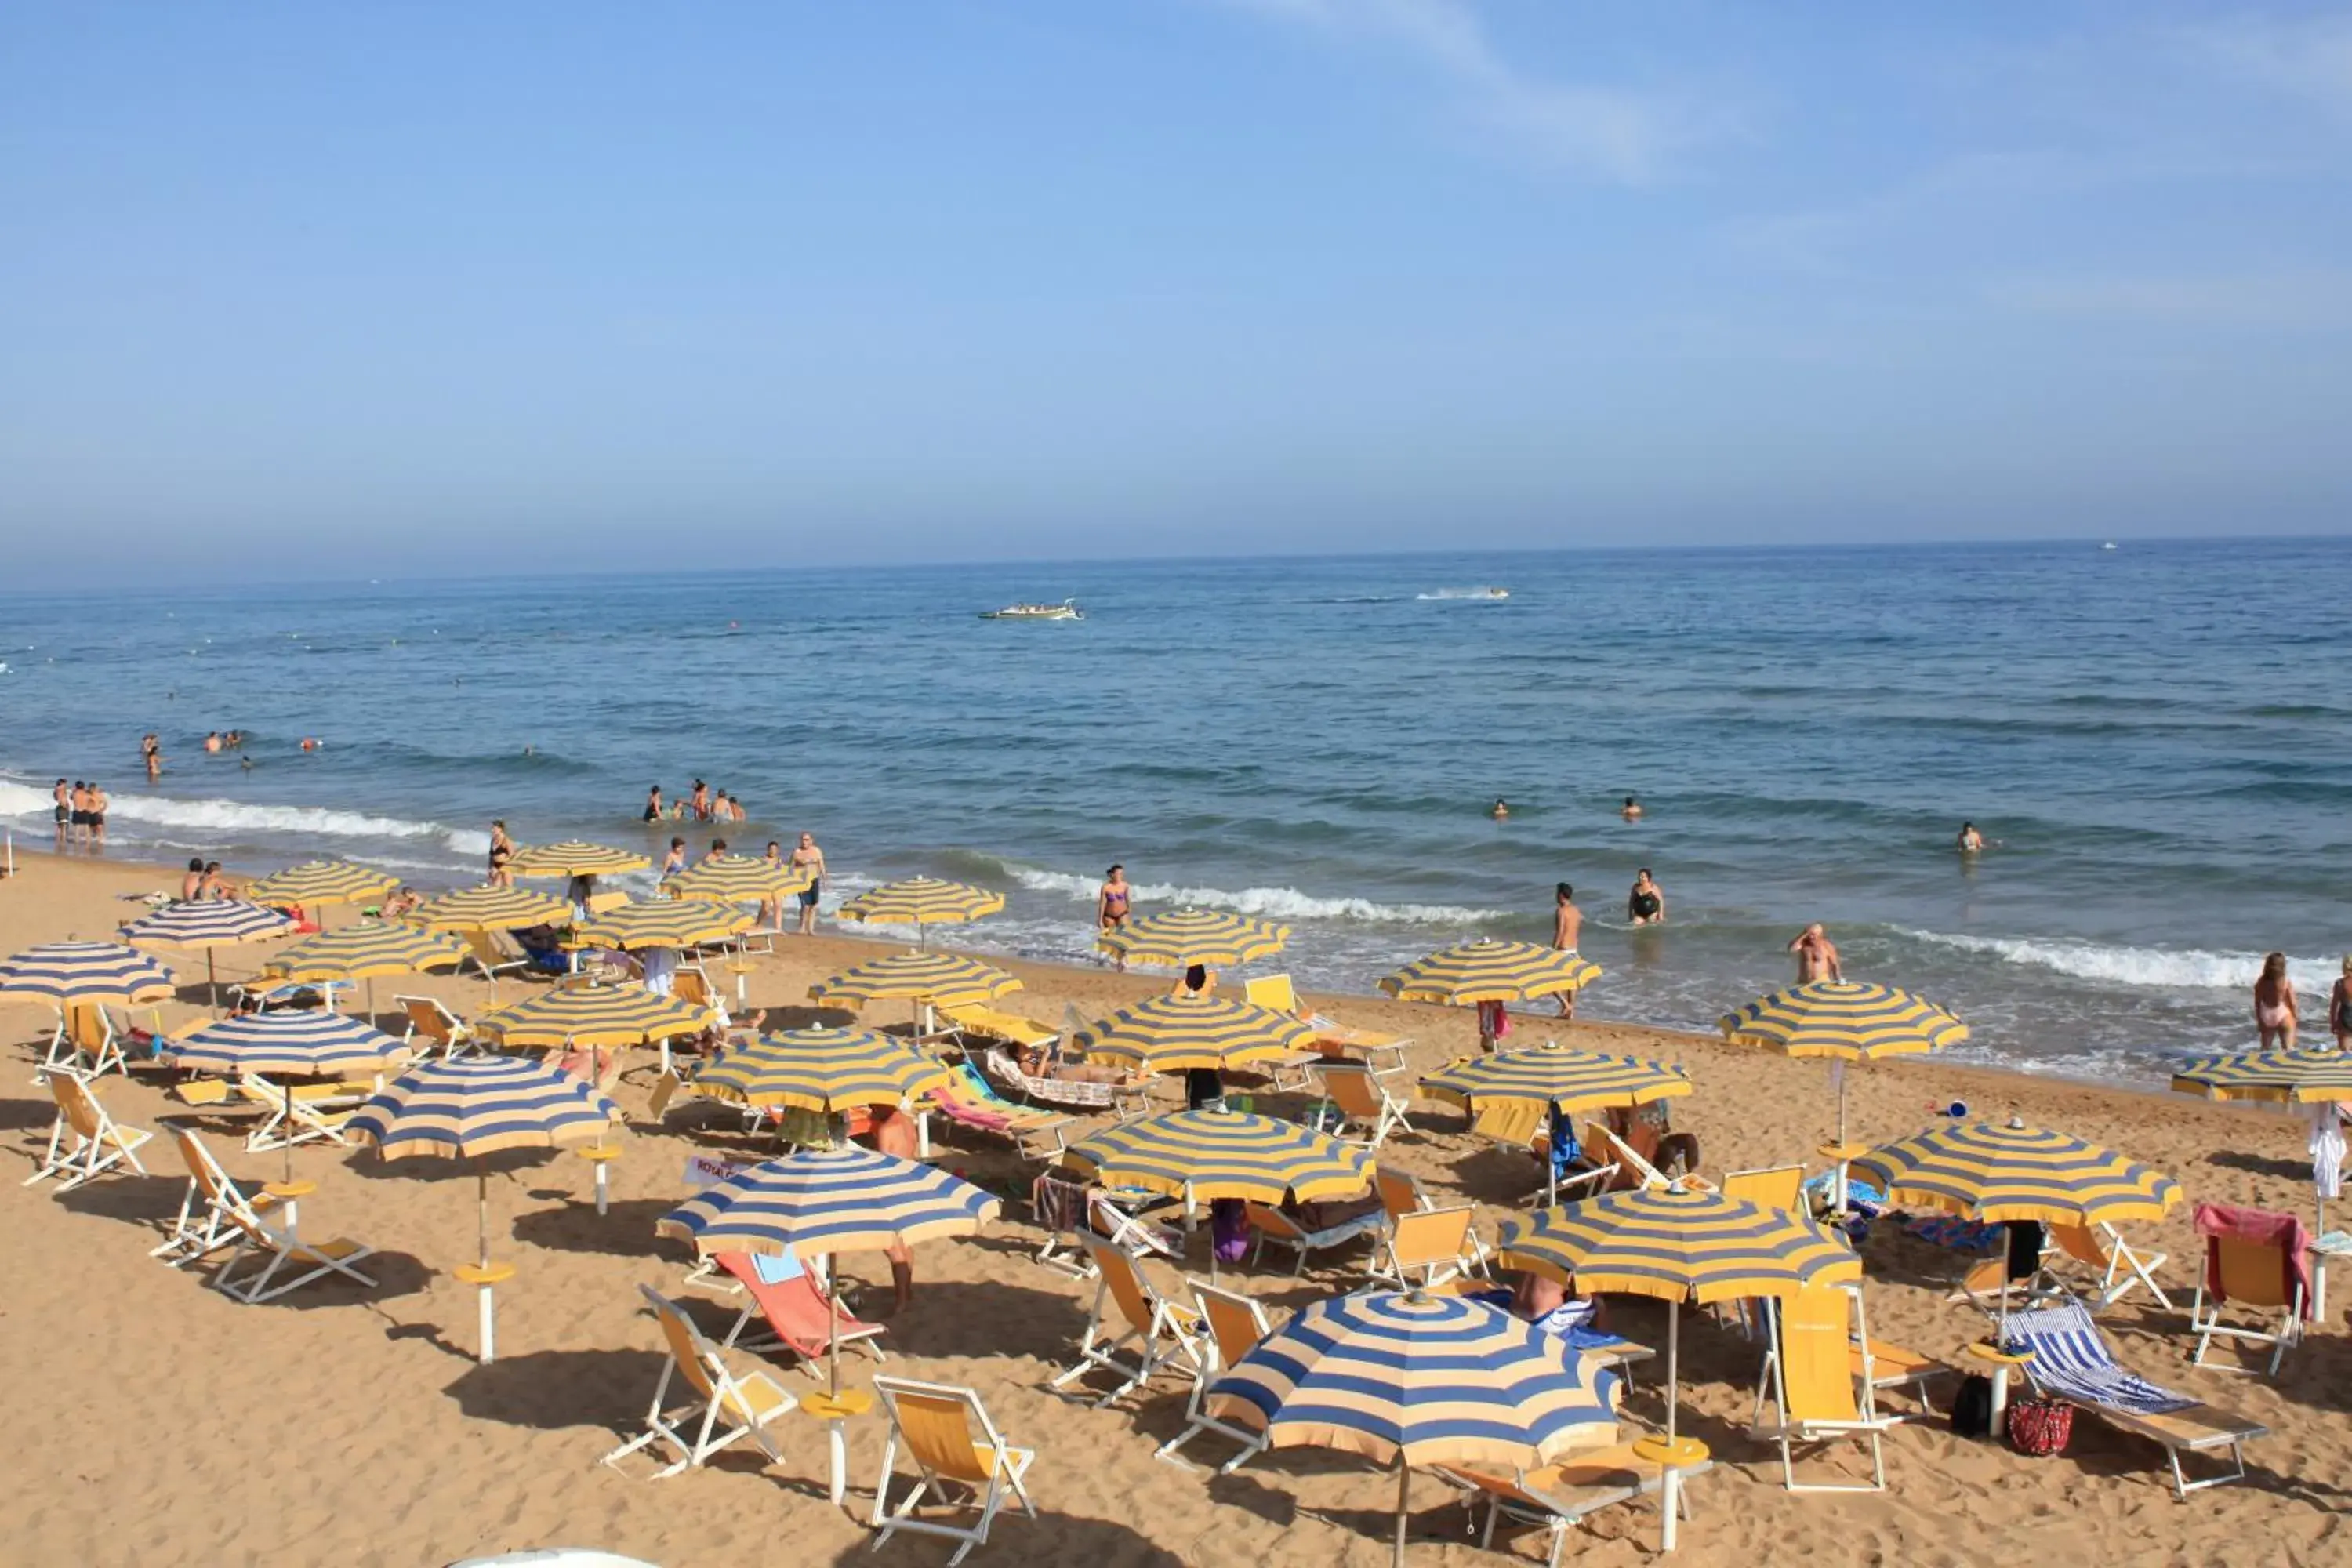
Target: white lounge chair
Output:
[
  {"x": 1234, "y": 1324},
  {"x": 946, "y": 1433},
  {"x": 1129, "y": 1309},
  {"x": 721, "y": 1406},
  {"x": 204, "y": 1225},
  {"x": 85, "y": 1142}
]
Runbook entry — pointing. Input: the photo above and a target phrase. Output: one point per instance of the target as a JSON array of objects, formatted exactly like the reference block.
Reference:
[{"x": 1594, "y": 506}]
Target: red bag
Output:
[{"x": 2040, "y": 1426}]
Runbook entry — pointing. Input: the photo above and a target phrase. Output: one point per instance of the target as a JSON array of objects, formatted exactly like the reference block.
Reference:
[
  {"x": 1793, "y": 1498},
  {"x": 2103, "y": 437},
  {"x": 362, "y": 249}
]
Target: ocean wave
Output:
[
  {"x": 2155, "y": 968},
  {"x": 1270, "y": 903},
  {"x": 231, "y": 817},
  {"x": 1476, "y": 595}
]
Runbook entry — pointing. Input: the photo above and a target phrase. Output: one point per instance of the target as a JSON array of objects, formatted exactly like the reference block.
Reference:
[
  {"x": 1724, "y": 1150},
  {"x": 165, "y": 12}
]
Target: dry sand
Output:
[{"x": 162, "y": 1423}]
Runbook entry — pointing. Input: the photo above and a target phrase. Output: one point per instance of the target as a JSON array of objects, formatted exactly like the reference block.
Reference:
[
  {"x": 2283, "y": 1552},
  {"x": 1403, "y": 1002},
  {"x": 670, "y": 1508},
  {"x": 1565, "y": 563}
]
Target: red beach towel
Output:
[{"x": 2262, "y": 1228}]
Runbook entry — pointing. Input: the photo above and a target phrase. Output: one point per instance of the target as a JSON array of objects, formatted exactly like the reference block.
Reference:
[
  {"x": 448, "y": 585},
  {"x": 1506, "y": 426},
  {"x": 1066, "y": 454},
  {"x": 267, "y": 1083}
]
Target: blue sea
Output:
[{"x": 2157, "y": 738}]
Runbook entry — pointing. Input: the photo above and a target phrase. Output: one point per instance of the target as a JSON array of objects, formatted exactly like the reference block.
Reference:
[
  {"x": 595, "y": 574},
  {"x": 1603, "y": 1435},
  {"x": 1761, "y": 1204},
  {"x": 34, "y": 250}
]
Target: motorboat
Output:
[{"x": 1067, "y": 610}]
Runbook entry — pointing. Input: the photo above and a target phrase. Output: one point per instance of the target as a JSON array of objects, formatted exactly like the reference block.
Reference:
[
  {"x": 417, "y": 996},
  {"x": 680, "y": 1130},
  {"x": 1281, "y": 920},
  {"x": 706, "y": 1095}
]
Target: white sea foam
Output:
[
  {"x": 231, "y": 818},
  {"x": 1480, "y": 595},
  {"x": 2153, "y": 968},
  {"x": 1272, "y": 903}
]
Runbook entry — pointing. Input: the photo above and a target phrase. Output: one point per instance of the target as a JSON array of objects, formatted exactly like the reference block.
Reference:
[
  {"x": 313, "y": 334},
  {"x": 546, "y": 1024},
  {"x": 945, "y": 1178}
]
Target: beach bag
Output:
[
  {"x": 1972, "y": 1406},
  {"x": 2040, "y": 1426}
]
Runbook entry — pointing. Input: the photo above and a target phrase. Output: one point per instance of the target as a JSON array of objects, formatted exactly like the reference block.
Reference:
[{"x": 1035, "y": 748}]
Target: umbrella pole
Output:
[
  {"x": 1674, "y": 1364},
  {"x": 832, "y": 1325},
  {"x": 481, "y": 1214},
  {"x": 288, "y": 1136},
  {"x": 212, "y": 981},
  {"x": 1404, "y": 1488}
]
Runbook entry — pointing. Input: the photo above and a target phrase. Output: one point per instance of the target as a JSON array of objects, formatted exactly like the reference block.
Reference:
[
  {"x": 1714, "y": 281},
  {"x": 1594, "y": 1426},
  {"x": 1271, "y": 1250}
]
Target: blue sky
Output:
[{"x": 304, "y": 289}]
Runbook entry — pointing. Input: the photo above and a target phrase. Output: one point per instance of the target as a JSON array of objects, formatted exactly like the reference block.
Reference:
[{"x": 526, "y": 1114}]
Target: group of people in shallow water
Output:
[
  {"x": 81, "y": 815},
  {"x": 702, "y": 804},
  {"x": 2278, "y": 1015}
]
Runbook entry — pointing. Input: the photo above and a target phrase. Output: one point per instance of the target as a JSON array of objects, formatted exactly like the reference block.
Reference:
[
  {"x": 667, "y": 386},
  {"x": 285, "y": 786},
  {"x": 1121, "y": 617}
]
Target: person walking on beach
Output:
[
  {"x": 771, "y": 905},
  {"x": 1646, "y": 904},
  {"x": 1817, "y": 956},
  {"x": 501, "y": 851},
  {"x": 1112, "y": 902},
  {"x": 1566, "y": 930},
  {"x": 653, "y": 803},
  {"x": 2274, "y": 1009},
  {"x": 809, "y": 859}
]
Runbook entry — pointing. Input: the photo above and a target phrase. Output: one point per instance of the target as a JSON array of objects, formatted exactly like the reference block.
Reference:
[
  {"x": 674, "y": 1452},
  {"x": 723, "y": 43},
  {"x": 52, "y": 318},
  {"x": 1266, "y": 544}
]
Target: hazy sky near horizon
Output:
[{"x": 297, "y": 290}]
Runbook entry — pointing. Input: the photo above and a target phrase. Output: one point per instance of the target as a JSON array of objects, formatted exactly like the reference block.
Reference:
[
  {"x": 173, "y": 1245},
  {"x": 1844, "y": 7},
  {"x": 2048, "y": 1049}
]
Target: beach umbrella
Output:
[
  {"x": 291, "y": 1043},
  {"x": 316, "y": 883},
  {"x": 2318, "y": 1080},
  {"x": 1182, "y": 938},
  {"x": 1843, "y": 1021},
  {"x": 662, "y": 922},
  {"x": 1177, "y": 1034},
  {"x": 358, "y": 953},
  {"x": 929, "y": 979},
  {"x": 208, "y": 924},
  {"x": 823, "y": 1071},
  {"x": 591, "y": 1015},
  {"x": 84, "y": 974},
  {"x": 573, "y": 858},
  {"x": 816, "y": 1204},
  {"x": 1487, "y": 970},
  {"x": 1567, "y": 1081},
  {"x": 1676, "y": 1246},
  {"x": 921, "y": 902},
  {"x": 490, "y": 909},
  {"x": 468, "y": 1107},
  {"x": 1200, "y": 1155},
  {"x": 1407, "y": 1378},
  {"x": 740, "y": 879}
]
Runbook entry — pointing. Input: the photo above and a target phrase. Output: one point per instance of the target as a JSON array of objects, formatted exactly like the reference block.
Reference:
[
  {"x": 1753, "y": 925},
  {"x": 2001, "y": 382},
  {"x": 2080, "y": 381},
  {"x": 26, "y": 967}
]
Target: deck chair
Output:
[
  {"x": 85, "y": 1142},
  {"x": 86, "y": 1042},
  {"x": 966, "y": 1100},
  {"x": 1427, "y": 1249},
  {"x": 1810, "y": 1373},
  {"x": 1271, "y": 1224},
  {"x": 274, "y": 1250},
  {"x": 204, "y": 1225},
  {"x": 2072, "y": 1362},
  {"x": 1603, "y": 1142},
  {"x": 1363, "y": 1100},
  {"x": 1235, "y": 1323},
  {"x": 791, "y": 1307},
  {"x": 491, "y": 960},
  {"x": 988, "y": 1024},
  {"x": 2255, "y": 1277},
  {"x": 603, "y": 903},
  {"x": 2101, "y": 1251},
  {"x": 690, "y": 984},
  {"x": 1083, "y": 1096},
  {"x": 1293, "y": 1072},
  {"x": 1560, "y": 1496},
  {"x": 313, "y": 1112},
  {"x": 946, "y": 1433},
  {"x": 1334, "y": 1040},
  {"x": 1773, "y": 1186},
  {"x": 434, "y": 1024},
  {"x": 1400, "y": 1193},
  {"x": 1130, "y": 1308},
  {"x": 719, "y": 1406},
  {"x": 1068, "y": 1211},
  {"x": 1525, "y": 1125}
]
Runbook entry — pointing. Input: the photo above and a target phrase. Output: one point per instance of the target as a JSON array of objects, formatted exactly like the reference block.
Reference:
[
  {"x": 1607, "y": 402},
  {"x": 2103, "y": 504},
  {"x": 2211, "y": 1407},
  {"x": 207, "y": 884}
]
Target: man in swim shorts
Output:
[
  {"x": 808, "y": 857},
  {"x": 1566, "y": 927}
]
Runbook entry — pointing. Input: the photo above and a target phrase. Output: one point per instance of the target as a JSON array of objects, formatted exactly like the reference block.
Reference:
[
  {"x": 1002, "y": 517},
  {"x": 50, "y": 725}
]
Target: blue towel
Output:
[{"x": 776, "y": 1268}]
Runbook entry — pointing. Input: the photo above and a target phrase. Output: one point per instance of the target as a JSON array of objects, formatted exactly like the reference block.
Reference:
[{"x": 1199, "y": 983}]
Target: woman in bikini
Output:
[
  {"x": 2274, "y": 1012},
  {"x": 1111, "y": 902},
  {"x": 501, "y": 851}
]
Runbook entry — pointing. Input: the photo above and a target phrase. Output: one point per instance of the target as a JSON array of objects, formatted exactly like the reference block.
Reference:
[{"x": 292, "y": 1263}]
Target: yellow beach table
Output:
[
  {"x": 1677, "y": 1246},
  {"x": 1487, "y": 970},
  {"x": 921, "y": 902},
  {"x": 1566, "y": 1082},
  {"x": 1179, "y": 1033},
  {"x": 316, "y": 884},
  {"x": 821, "y": 1070},
  {"x": 464, "y": 1108},
  {"x": 69, "y": 974},
  {"x": 362, "y": 952},
  {"x": 815, "y": 1205},
  {"x": 1407, "y": 1378},
  {"x": 208, "y": 924},
  {"x": 1178, "y": 939},
  {"x": 927, "y": 979}
]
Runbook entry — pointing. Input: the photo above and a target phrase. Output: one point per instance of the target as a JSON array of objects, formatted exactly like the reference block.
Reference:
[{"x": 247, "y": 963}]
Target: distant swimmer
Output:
[
  {"x": 1631, "y": 810},
  {"x": 213, "y": 741},
  {"x": 245, "y": 761},
  {"x": 1646, "y": 904},
  {"x": 1501, "y": 810},
  {"x": 2274, "y": 1006},
  {"x": 1567, "y": 928},
  {"x": 310, "y": 744},
  {"x": 653, "y": 803},
  {"x": 1817, "y": 956},
  {"x": 1969, "y": 840}
]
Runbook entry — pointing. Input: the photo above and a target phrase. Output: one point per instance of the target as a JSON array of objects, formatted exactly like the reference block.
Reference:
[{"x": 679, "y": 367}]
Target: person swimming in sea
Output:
[
  {"x": 1969, "y": 840},
  {"x": 1631, "y": 810},
  {"x": 1646, "y": 904},
  {"x": 652, "y": 805},
  {"x": 1501, "y": 810}
]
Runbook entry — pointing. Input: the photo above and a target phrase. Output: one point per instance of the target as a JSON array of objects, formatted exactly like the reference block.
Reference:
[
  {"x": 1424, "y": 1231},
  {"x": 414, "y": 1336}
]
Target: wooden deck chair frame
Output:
[
  {"x": 934, "y": 1423},
  {"x": 2103, "y": 1252},
  {"x": 2249, "y": 1273},
  {"x": 428, "y": 1018},
  {"x": 85, "y": 1142},
  {"x": 1599, "y": 1138},
  {"x": 277, "y": 1249},
  {"x": 1232, "y": 1325},
  {"x": 1828, "y": 1375},
  {"x": 1601, "y": 1479},
  {"x": 721, "y": 1407},
  {"x": 1363, "y": 1100},
  {"x": 1428, "y": 1248},
  {"x": 204, "y": 1225},
  {"x": 1162, "y": 1335}
]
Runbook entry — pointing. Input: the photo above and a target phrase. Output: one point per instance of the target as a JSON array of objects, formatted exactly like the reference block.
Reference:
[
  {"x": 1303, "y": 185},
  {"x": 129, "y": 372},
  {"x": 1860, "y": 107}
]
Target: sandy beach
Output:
[{"x": 353, "y": 1427}]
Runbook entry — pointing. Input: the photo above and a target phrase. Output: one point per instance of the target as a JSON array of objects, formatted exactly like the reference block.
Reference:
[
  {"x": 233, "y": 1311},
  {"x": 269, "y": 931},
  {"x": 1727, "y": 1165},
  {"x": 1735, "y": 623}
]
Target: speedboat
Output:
[{"x": 1067, "y": 610}]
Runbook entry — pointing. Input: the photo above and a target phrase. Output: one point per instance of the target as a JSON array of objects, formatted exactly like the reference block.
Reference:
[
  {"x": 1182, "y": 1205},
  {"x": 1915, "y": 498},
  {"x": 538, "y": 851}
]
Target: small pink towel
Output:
[
  {"x": 2262, "y": 1228},
  {"x": 1493, "y": 1022}
]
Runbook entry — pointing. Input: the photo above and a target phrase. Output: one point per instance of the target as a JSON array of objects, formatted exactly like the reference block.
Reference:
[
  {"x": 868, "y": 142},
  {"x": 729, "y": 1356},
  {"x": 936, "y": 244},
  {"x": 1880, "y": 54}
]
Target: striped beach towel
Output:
[{"x": 2071, "y": 1359}]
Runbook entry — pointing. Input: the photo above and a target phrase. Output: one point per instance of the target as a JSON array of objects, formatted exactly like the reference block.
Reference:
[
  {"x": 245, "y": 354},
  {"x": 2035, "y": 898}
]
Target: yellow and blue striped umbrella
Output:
[
  {"x": 1489, "y": 971},
  {"x": 480, "y": 1105},
  {"x": 295, "y": 1041},
  {"x": 1181, "y": 938},
  {"x": 1568, "y": 1081},
  {"x": 922, "y": 901},
  {"x": 363, "y": 951},
  {"x": 1176, "y": 1034},
  {"x": 822, "y": 1069},
  {"x": 818, "y": 1202},
  {"x": 490, "y": 909},
  {"x": 941, "y": 979},
  {"x": 207, "y": 923},
  {"x": 84, "y": 974},
  {"x": 1844, "y": 1019},
  {"x": 592, "y": 1015},
  {"x": 739, "y": 879},
  {"x": 662, "y": 922},
  {"x": 573, "y": 858},
  {"x": 2288, "y": 1077},
  {"x": 1994, "y": 1173},
  {"x": 1677, "y": 1246},
  {"x": 316, "y": 882},
  {"x": 1206, "y": 1154}
]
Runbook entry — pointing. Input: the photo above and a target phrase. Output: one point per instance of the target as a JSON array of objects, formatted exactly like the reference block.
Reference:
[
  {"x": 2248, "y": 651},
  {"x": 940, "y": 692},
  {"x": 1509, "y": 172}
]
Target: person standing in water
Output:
[
  {"x": 501, "y": 851},
  {"x": 2339, "y": 1007},
  {"x": 1566, "y": 930},
  {"x": 807, "y": 857},
  {"x": 1969, "y": 840},
  {"x": 1112, "y": 901},
  {"x": 1646, "y": 904},
  {"x": 98, "y": 804},
  {"x": 1631, "y": 810},
  {"x": 653, "y": 803},
  {"x": 1501, "y": 810},
  {"x": 62, "y": 797},
  {"x": 2275, "y": 1008},
  {"x": 151, "y": 752},
  {"x": 1817, "y": 956}
]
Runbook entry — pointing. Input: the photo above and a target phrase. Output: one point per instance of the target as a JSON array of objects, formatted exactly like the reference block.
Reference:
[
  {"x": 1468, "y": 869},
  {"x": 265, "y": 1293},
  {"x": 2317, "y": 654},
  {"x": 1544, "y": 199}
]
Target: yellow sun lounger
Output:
[
  {"x": 1129, "y": 1308},
  {"x": 719, "y": 1406},
  {"x": 1558, "y": 1497},
  {"x": 85, "y": 1142},
  {"x": 1235, "y": 1324},
  {"x": 1810, "y": 1374},
  {"x": 209, "y": 1210},
  {"x": 946, "y": 1432}
]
